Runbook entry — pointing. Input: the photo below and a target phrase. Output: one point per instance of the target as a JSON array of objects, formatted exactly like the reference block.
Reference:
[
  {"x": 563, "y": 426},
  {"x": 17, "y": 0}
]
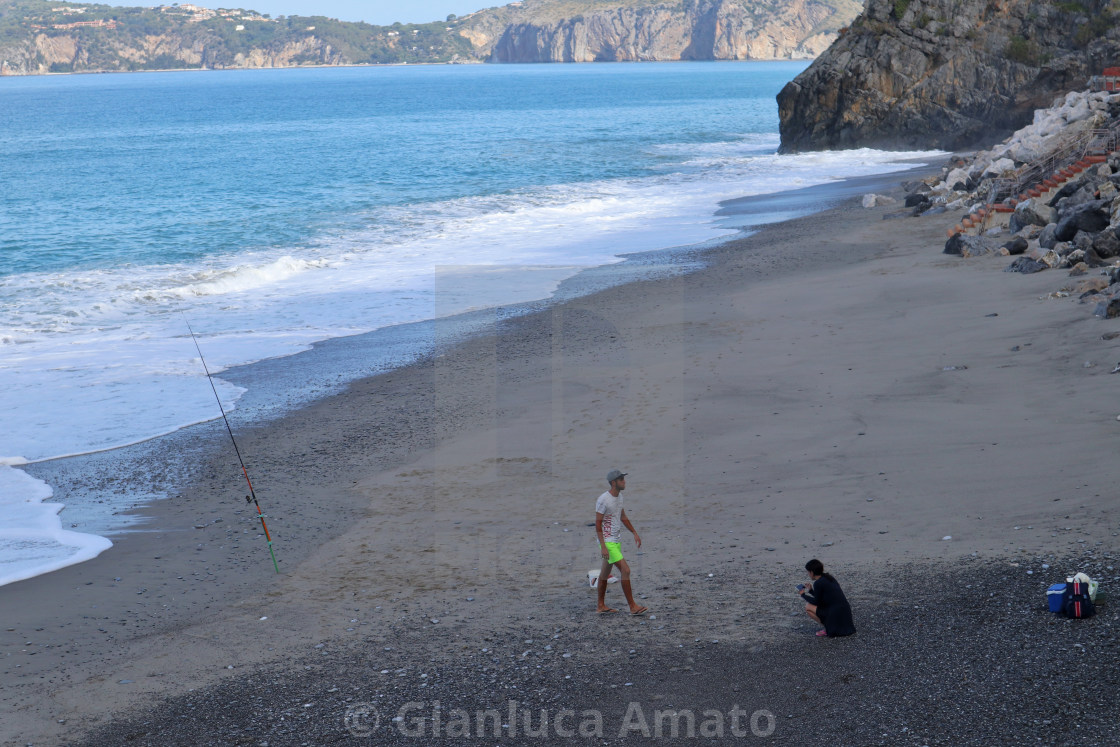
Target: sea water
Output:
[{"x": 272, "y": 209}]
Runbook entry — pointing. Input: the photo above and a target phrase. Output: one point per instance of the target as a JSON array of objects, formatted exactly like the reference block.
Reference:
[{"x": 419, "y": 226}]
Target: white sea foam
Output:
[
  {"x": 106, "y": 358},
  {"x": 108, "y": 349},
  {"x": 32, "y": 540}
]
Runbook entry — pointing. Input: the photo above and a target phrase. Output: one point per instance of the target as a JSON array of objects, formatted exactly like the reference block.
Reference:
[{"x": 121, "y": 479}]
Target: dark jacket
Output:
[{"x": 832, "y": 606}]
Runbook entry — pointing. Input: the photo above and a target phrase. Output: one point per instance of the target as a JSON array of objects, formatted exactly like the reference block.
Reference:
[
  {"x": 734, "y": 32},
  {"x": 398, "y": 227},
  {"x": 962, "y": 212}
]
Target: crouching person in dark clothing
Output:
[{"x": 825, "y": 602}]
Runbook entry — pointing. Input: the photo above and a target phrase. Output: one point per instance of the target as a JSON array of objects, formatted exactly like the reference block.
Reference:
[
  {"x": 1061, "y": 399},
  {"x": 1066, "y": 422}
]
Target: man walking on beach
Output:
[{"x": 609, "y": 519}]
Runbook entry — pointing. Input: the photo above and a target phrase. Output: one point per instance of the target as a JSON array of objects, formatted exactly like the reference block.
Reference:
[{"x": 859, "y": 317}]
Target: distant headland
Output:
[{"x": 40, "y": 37}]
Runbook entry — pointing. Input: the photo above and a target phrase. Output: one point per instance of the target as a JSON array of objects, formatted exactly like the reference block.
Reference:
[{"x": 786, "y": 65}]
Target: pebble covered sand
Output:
[
  {"x": 829, "y": 387},
  {"x": 961, "y": 656}
]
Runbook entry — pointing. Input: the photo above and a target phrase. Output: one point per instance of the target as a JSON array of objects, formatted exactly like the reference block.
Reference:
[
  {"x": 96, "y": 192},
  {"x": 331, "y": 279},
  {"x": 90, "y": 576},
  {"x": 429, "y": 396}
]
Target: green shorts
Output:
[{"x": 614, "y": 552}]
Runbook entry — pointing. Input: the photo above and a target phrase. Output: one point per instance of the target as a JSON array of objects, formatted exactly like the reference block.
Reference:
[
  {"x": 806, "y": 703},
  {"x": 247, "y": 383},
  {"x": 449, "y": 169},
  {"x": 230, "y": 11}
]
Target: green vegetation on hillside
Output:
[
  {"x": 103, "y": 32},
  {"x": 58, "y": 36}
]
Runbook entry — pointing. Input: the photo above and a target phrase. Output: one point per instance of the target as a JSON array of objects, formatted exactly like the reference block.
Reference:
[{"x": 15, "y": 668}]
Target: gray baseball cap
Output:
[{"x": 614, "y": 475}]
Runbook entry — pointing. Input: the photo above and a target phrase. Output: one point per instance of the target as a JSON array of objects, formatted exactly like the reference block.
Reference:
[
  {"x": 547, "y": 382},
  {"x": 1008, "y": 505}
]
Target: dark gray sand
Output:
[{"x": 960, "y": 656}]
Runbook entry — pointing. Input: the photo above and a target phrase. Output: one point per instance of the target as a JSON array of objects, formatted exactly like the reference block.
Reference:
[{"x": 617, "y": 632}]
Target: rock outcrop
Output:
[
  {"x": 945, "y": 73},
  {"x": 692, "y": 30}
]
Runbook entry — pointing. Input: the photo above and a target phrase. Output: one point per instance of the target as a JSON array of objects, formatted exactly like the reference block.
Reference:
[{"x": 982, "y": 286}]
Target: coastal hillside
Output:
[
  {"x": 51, "y": 37},
  {"x": 39, "y": 37},
  {"x": 946, "y": 73},
  {"x": 557, "y": 31}
]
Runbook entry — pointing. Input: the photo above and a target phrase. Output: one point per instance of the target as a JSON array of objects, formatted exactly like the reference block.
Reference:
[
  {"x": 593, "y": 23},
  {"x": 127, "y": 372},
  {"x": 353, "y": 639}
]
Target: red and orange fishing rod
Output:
[{"x": 252, "y": 497}]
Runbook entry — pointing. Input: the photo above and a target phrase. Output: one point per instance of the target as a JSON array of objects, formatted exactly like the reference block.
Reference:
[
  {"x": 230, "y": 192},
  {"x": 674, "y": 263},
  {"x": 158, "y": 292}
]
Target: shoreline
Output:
[
  {"x": 386, "y": 64},
  {"x": 392, "y": 505},
  {"x": 276, "y": 386}
]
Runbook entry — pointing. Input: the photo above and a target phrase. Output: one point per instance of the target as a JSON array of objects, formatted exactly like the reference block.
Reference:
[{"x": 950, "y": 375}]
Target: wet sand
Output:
[{"x": 829, "y": 387}]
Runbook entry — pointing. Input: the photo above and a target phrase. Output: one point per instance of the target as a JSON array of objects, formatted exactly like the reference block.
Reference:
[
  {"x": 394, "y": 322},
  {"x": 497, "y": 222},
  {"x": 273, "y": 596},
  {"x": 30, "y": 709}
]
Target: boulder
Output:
[
  {"x": 964, "y": 245},
  {"x": 1090, "y": 285},
  {"x": 1051, "y": 259},
  {"x": 872, "y": 200},
  {"x": 1066, "y": 190},
  {"x": 1076, "y": 112},
  {"x": 1092, "y": 216},
  {"x": 1028, "y": 149},
  {"x": 1106, "y": 245},
  {"x": 1035, "y": 213},
  {"x": 978, "y": 249},
  {"x": 1076, "y": 257},
  {"x": 1086, "y": 192},
  {"x": 1108, "y": 191},
  {"x": 921, "y": 208},
  {"x": 1078, "y": 270},
  {"x": 916, "y": 198},
  {"x": 1025, "y": 265},
  {"x": 1109, "y": 309},
  {"x": 1013, "y": 224},
  {"x": 1083, "y": 240},
  {"x": 999, "y": 166},
  {"x": 1047, "y": 239},
  {"x": 1076, "y": 192},
  {"x": 1091, "y": 258},
  {"x": 957, "y": 180},
  {"x": 1016, "y": 246}
]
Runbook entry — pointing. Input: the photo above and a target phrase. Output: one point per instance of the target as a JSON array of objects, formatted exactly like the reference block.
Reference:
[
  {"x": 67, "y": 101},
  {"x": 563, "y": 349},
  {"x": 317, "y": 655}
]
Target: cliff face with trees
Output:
[
  {"x": 44, "y": 37},
  {"x": 946, "y": 73}
]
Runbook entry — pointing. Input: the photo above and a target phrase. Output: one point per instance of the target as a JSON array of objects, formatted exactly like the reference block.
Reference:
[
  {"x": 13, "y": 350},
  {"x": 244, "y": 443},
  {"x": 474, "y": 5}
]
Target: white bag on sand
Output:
[
  {"x": 1093, "y": 585},
  {"x": 593, "y": 578}
]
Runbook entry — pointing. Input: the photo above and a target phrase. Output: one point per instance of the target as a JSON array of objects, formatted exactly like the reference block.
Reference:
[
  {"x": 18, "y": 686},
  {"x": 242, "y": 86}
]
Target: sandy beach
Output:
[{"x": 933, "y": 429}]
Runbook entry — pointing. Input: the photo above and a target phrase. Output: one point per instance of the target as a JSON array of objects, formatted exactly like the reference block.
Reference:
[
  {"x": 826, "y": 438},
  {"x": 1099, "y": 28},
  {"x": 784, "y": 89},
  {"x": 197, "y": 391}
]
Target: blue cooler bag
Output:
[{"x": 1054, "y": 596}]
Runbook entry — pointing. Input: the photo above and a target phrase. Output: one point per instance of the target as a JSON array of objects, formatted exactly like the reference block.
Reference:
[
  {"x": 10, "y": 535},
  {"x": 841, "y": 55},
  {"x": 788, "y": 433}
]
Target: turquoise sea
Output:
[{"x": 276, "y": 208}]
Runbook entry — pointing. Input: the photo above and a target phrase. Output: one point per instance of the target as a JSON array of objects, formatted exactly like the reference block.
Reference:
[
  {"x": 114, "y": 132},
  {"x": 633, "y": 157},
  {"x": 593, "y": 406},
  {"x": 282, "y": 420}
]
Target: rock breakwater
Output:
[{"x": 1068, "y": 220}]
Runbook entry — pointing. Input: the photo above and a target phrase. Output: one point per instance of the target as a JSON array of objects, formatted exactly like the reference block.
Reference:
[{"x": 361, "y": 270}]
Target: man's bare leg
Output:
[
  {"x": 604, "y": 573},
  {"x": 635, "y": 608}
]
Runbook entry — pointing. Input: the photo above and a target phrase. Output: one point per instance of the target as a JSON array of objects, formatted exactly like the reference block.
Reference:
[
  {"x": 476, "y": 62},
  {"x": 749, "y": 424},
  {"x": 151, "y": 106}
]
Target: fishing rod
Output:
[{"x": 252, "y": 497}]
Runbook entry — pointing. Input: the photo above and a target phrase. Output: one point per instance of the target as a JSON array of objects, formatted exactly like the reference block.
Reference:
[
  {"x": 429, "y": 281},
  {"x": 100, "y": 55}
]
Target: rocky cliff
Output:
[
  {"x": 945, "y": 73},
  {"x": 692, "y": 30},
  {"x": 38, "y": 37}
]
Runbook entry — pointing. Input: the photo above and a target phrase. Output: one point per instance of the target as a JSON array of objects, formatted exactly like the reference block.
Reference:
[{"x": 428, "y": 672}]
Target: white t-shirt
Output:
[{"x": 611, "y": 509}]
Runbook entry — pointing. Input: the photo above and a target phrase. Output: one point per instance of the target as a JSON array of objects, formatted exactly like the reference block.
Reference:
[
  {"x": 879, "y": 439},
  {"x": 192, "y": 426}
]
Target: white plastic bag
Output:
[
  {"x": 1093, "y": 585},
  {"x": 593, "y": 578}
]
